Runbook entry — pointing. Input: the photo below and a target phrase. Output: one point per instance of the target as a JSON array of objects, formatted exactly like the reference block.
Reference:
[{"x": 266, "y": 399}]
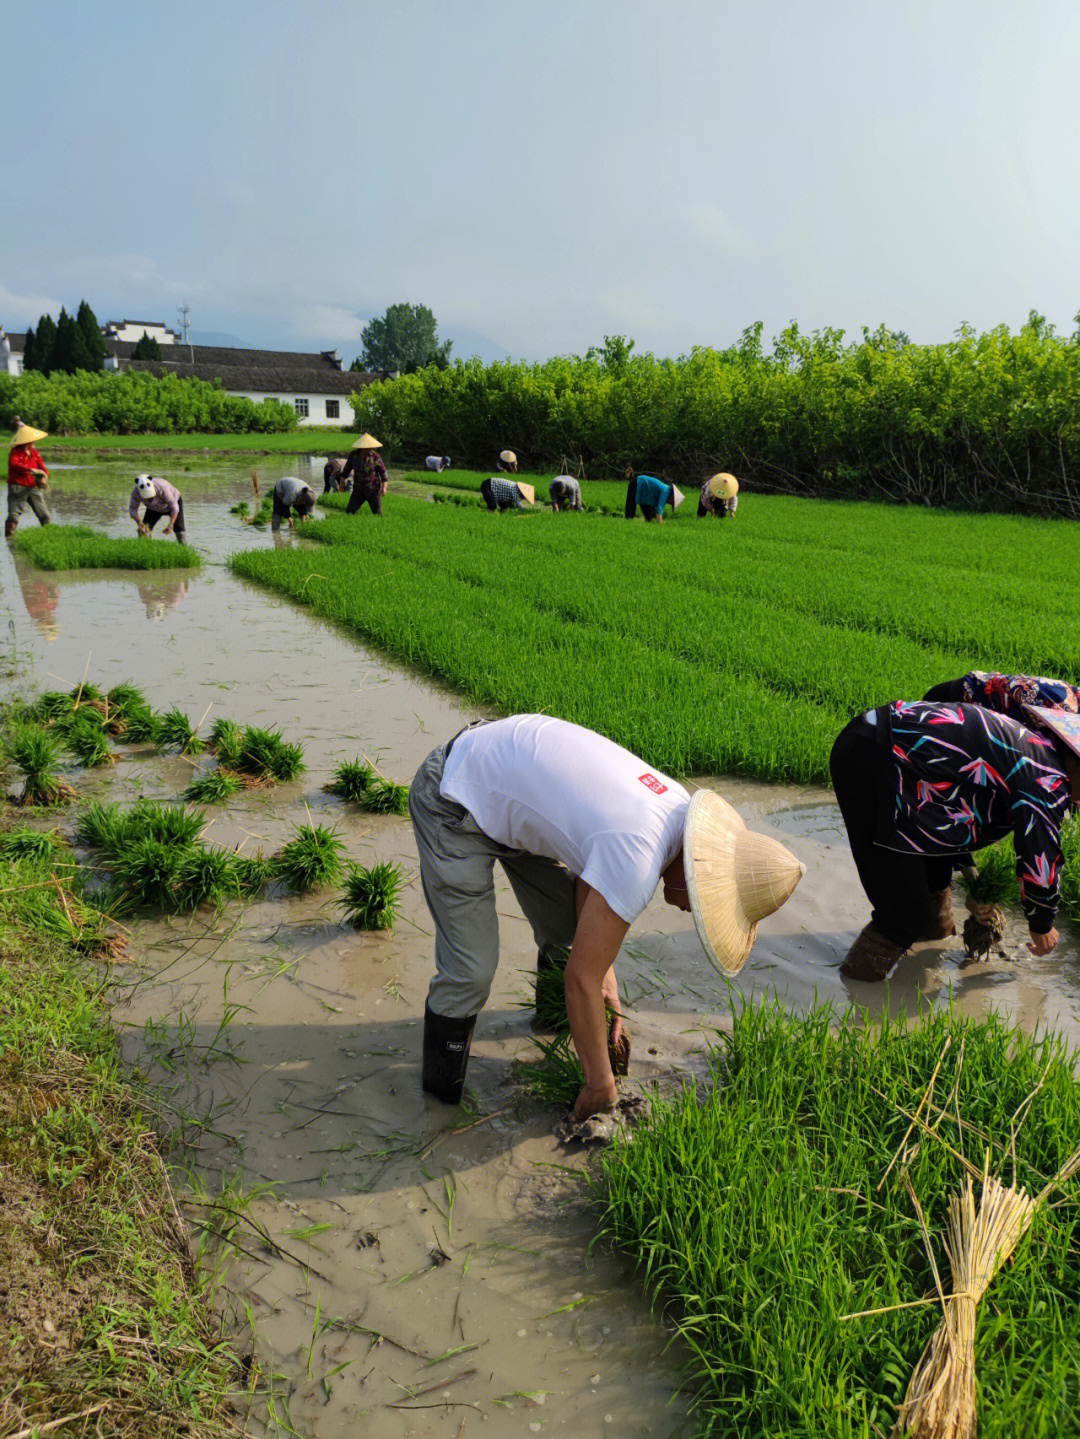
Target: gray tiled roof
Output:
[{"x": 277, "y": 379}]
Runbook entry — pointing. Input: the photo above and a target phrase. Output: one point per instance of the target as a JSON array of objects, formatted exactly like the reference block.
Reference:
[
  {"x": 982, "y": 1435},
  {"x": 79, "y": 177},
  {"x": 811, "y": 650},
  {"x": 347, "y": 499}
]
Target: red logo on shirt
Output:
[{"x": 651, "y": 782}]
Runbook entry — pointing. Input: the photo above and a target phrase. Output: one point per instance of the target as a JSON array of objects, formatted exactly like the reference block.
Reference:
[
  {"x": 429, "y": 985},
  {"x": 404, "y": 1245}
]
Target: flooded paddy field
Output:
[{"x": 432, "y": 1270}]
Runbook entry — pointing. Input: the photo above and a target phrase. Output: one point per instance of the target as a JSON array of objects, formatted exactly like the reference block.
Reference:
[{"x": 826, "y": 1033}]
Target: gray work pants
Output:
[
  {"x": 457, "y": 867},
  {"x": 19, "y": 496}
]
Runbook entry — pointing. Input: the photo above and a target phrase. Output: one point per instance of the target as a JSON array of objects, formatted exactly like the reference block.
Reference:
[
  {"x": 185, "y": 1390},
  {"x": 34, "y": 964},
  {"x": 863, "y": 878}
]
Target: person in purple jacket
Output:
[
  {"x": 923, "y": 783},
  {"x": 158, "y": 498}
]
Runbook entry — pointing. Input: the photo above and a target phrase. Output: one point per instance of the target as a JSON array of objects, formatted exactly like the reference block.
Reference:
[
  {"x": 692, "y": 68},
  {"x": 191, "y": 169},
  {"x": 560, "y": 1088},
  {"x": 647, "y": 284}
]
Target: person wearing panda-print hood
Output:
[{"x": 158, "y": 498}]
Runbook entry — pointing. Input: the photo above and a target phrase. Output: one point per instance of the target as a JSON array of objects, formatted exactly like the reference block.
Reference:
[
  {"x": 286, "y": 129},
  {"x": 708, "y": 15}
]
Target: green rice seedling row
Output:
[
  {"x": 760, "y": 1209},
  {"x": 78, "y": 547}
]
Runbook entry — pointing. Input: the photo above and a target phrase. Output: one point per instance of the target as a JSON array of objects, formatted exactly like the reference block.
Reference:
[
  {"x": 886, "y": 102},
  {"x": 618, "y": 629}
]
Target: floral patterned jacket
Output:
[
  {"x": 1009, "y": 693},
  {"x": 966, "y": 776}
]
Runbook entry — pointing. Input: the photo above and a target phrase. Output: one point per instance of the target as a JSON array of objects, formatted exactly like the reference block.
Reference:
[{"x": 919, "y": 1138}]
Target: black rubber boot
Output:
[
  {"x": 446, "y": 1054},
  {"x": 10, "y": 526}
]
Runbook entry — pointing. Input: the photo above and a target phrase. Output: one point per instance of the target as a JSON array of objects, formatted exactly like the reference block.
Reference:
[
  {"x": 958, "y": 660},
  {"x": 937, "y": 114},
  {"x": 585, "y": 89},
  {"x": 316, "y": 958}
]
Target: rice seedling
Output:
[
  {"x": 85, "y": 694},
  {"x": 253, "y": 872},
  {"x": 993, "y": 878},
  {"x": 351, "y": 779},
  {"x": 34, "y": 752},
  {"x": 125, "y": 698},
  {"x": 557, "y": 1077},
  {"x": 213, "y": 788},
  {"x": 204, "y": 875},
  {"x": 141, "y": 725},
  {"x": 383, "y": 796},
  {"x": 227, "y": 742},
  {"x": 102, "y": 827},
  {"x": 776, "y": 1209},
  {"x": 549, "y": 997},
  {"x": 171, "y": 823},
  {"x": 263, "y": 752},
  {"x": 88, "y": 743},
  {"x": 78, "y": 547},
  {"x": 372, "y": 897},
  {"x": 53, "y": 705},
  {"x": 310, "y": 860},
  {"x": 175, "y": 730},
  {"x": 147, "y": 868},
  {"x": 241, "y": 508},
  {"x": 34, "y": 846}
]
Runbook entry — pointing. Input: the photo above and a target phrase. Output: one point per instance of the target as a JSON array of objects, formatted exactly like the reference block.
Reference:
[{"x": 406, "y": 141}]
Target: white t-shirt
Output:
[{"x": 548, "y": 787}]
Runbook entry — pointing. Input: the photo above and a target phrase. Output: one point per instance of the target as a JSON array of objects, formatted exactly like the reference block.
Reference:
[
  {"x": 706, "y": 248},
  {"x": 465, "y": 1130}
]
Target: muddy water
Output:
[{"x": 432, "y": 1271}]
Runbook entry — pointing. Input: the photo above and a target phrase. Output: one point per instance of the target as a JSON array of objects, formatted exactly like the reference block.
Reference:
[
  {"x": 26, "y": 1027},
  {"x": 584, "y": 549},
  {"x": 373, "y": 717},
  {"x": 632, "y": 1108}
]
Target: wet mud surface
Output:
[{"x": 430, "y": 1270}]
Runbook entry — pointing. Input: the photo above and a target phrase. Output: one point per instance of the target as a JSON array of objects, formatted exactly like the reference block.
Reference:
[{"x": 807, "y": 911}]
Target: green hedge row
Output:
[
  {"x": 986, "y": 421},
  {"x": 124, "y": 404}
]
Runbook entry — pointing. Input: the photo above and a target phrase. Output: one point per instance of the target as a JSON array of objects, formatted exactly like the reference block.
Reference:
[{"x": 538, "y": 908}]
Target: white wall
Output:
[
  {"x": 133, "y": 333},
  {"x": 316, "y": 406}
]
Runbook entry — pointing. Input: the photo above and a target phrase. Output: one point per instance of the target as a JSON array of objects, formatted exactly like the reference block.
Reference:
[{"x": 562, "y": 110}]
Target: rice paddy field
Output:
[{"x": 78, "y": 547}]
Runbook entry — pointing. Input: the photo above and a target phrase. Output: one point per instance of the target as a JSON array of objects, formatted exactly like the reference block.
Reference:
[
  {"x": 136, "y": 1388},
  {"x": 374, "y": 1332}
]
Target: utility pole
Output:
[{"x": 182, "y": 311}]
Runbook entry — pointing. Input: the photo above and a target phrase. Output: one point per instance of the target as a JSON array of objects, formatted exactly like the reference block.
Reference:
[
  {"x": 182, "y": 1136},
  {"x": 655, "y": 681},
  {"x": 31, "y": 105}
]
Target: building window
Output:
[
  {"x": 332, "y": 412},
  {"x": 301, "y": 409}
]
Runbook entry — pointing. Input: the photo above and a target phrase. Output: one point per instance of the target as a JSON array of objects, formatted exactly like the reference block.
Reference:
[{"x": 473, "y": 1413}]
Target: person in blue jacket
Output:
[{"x": 651, "y": 494}]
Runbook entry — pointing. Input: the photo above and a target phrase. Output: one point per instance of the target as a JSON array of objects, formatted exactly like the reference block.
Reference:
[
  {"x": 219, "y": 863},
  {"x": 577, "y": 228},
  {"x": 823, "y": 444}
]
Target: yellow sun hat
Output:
[
  {"x": 508, "y": 457},
  {"x": 723, "y": 484},
  {"x": 528, "y": 492},
  {"x": 368, "y": 442},
  {"x": 27, "y": 435},
  {"x": 734, "y": 876}
]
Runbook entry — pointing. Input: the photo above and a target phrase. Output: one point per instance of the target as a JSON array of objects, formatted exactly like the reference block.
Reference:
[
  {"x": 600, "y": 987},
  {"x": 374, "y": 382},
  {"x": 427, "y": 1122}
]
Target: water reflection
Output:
[
  {"x": 159, "y": 595},
  {"x": 41, "y": 596}
]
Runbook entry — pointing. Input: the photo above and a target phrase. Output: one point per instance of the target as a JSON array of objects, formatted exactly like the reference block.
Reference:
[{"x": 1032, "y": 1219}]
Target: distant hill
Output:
[{"x": 216, "y": 337}]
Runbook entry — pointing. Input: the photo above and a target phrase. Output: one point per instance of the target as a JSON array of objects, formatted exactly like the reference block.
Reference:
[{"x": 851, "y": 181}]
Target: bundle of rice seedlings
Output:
[
  {"x": 53, "y": 705},
  {"x": 171, "y": 823},
  {"x": 34, "y": 845},
  {"x": 141, "y": 725},
  {"x": 146, "y": 868},
  {"x": 372, "y": 897},
  {"x": 310, "y": 860},
  {"x": 214, "y": 787},
  {"x": 992, "y": 880},
  {"x": 124, "y": 699},
  {"x": 549, "y": 996},
  {"x": 227, "y": 742},
  {"x": 34, "y": 753},
  {"x": 351, "y": 780},
  {"x": 263, "y": 752},
  {"x": 557, "y": 1077},
  {"x": 383, "y": 796},
  {"x": 87, "y": 741},
  {"x": 241, "y": 508},
  {"x": 252, "y": 871},
  {"x": 175, "y": 729},
  {"x": 102, "y": 827},
  {"x": 204, "y": 876},
  {"x": 86, "y": 694},
  {"x": 940, "y": 1398}
]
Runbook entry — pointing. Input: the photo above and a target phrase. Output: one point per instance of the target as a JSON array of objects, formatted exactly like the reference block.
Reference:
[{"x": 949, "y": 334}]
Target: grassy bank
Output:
[
  {"x": 105, "y": 1319},
  {"x": 293, "y": 442},
  {"x": 78, "y": 547},
  {"x": 765, "y": 1212}
]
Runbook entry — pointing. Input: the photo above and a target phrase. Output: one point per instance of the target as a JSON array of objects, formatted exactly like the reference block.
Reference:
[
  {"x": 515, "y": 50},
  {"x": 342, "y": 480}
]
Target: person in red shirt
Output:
[{"x": 27, "y": 477}]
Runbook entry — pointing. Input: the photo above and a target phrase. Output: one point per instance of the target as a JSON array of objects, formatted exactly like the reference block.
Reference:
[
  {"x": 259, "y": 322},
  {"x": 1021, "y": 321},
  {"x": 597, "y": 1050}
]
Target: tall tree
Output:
[
  {"x": 70, "y": 352},
  {"x": 44, "y": 344},
  {"x": 29, "y": 349},
  {"x": 92, "y": 337},
  {"x": 404, "y": 339},
  {"x": 146, "y": 348}
]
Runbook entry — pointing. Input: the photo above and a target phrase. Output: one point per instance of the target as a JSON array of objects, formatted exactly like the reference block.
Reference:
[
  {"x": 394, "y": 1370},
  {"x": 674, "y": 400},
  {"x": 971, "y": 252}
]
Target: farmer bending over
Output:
[
  {"x": 506, "y": 464},
  {"x": 291, "y": 494},
  {"x": 923, "y": 783},
  {"x": 564, "y": 492},
  {"x": 365, "y": 466},
  {"x": 438, "y": 463},
  {"x": 159, "y": 498},
  {"x": 332, "y": 483},
  {"x": 720, "y": 497},
  {"x": 27, "y": 477},
  {"x": 585, "y": 831},
  {"x": 651, "y": 494},
  {"x": 502, "y": 494}
]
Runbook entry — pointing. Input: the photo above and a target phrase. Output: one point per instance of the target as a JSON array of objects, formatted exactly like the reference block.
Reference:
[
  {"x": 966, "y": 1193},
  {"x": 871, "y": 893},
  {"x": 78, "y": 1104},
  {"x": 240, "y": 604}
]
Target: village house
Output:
[{"x": 316, "y": 386}]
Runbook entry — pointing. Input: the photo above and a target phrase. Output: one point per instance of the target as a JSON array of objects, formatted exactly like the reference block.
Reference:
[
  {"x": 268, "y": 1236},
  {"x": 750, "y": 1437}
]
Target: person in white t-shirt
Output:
[{"x": 585, "y": 831}]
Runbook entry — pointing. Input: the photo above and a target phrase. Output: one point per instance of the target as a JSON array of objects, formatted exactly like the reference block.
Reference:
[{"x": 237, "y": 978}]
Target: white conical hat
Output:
[
  {"x": 677, "y": 497},
  {"x": 508, "y": 457},
  {"x": 734, "y": 876},
  {"x": 528, "y": 492}
]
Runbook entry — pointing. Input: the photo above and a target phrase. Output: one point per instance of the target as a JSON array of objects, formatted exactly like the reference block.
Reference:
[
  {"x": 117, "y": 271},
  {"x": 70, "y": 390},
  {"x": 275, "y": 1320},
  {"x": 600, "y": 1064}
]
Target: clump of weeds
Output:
[
  {"x": 310, "y": 860},
  {"x": 372, "y": 897}
]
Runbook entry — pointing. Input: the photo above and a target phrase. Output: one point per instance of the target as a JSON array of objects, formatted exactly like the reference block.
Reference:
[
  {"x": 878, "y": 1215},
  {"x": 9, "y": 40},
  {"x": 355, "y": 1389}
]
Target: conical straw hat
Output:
[
  {"x": 368, "y": 442},
  {"x": 677, "y": 497},
  {"x": 734, "y": 877},
  {"x": 723, "y": 484},
  {"x": 528, "y": 492},
  {"x": 27, "y": 435},
  {"x": 508, "y": 457}
]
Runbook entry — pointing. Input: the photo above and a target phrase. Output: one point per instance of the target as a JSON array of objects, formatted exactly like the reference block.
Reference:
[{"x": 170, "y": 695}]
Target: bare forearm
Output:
[{"x": 588, "y": 1028}]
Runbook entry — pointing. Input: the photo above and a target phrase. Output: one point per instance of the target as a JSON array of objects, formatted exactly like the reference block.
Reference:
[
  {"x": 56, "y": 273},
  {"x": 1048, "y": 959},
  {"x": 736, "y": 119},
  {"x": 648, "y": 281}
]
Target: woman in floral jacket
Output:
[{"x": 923, "y": 783}]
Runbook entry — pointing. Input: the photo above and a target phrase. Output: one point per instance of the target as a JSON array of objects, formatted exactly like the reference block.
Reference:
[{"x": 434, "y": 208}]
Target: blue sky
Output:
[{"x": 542, "y": 174}]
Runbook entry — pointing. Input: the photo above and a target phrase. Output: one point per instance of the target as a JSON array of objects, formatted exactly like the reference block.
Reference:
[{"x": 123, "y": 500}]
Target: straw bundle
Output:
[{"x": 940, "y": 1398}]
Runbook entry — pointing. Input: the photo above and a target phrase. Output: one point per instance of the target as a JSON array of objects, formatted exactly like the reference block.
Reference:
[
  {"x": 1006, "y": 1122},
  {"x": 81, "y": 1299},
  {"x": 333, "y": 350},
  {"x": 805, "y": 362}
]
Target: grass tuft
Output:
[
  {"x": 310, "y": 860},
  {"x": 372, "y": 897}
]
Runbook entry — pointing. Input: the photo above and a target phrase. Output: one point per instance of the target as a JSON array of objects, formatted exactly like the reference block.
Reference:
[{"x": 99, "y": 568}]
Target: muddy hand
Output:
[
  {"x": 595, "y": 1100},
  {"x": 984, "y": 911},
  {"x": 618, "y": 1046}
]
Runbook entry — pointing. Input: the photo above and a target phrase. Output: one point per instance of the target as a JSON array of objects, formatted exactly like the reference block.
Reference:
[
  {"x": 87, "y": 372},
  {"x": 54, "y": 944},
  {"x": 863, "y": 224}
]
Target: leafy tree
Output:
[
  {"x": 44, "y": 345},
  {"x": 403, "y": 339},
  {"x": 70, "y": 352},
  {"x": 146, "y": 348},
  {"x": 92, "y": 336}
]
